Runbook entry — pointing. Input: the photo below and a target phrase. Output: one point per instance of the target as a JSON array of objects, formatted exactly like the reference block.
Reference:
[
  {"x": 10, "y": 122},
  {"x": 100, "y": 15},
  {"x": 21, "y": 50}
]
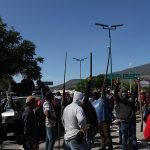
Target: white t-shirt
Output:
[{"x": 48, "y": 107}]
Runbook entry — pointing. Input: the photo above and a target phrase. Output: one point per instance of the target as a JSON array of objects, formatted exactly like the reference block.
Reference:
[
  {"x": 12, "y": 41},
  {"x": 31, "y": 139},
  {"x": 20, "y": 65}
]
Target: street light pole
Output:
[
  {"x": 80, "y": 60},
  {"x": 130, "y": 79},
  {"x": 109, "y": 28}
]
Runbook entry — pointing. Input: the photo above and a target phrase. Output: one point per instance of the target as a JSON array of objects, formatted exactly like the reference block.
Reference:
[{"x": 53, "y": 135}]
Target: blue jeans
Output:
[
  {"x": 50, "y": 138},
  {"x": 74, "y": 144},
  {"x": 128, "y": 131}
]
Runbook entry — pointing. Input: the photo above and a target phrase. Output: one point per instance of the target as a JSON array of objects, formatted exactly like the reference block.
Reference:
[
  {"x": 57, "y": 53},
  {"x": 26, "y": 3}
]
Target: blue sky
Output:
[{"x": 57, "y": 26}]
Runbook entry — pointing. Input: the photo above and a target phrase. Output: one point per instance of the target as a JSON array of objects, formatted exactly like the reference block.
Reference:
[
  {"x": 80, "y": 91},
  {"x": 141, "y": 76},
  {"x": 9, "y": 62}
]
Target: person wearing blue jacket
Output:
[{"x": 104, "y": 121}]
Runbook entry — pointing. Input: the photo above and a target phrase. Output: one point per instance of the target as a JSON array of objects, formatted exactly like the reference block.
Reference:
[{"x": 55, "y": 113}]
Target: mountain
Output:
[
  {"x": 143, "y": 71},
  {"x": 68, "y": 85}
]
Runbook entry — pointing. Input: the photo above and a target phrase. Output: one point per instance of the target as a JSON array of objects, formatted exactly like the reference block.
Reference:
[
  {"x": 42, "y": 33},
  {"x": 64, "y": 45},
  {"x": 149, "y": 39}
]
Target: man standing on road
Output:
[
  {"x": 74, "y": 122},
  {"x": 51, "y": 119},
  {"x": 125, "y": 111},
  {"x": 29, "y": 124},
  {"x": 91, "y": 116},
  {"x": 104, "y": 120}
]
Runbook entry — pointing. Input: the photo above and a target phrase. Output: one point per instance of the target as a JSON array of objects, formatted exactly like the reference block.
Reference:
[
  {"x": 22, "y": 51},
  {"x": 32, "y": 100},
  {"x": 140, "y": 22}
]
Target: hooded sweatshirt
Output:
[{"x": 73, "y": 117}]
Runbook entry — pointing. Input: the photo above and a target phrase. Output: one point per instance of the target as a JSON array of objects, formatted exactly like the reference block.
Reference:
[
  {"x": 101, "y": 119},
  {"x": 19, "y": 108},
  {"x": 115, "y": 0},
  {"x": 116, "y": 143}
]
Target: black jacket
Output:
[
  {"x": 125, "y": 107},
  {"x": 129, "y": 101},
  {"x": 91, "y": 116},
  {"x": 29, "y": 123}
]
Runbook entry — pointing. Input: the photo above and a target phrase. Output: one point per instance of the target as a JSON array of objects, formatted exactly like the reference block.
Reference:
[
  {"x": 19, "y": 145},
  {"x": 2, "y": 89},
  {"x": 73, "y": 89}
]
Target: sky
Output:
[{"x": 60, "y": 26}]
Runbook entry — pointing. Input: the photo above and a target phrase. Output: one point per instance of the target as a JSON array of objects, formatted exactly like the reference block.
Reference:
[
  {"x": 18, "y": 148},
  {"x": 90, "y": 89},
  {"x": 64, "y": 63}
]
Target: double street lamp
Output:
[
  {"x": 80, "y": 60},
  {"x": 109, "y": 28}
]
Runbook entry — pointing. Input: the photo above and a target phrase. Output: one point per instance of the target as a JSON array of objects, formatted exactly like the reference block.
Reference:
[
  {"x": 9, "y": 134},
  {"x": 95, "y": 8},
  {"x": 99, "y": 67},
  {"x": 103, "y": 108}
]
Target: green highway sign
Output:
[
  {"x": 130, "y": 76},
  {"x": 123, "y": 76},
  {"x": 114, "y": 76}
]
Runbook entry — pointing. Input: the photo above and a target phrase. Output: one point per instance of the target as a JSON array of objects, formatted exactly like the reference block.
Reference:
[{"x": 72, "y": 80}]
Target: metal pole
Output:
[
  {"x": 80, "y": 60},
  {"x": 104, "y": 82},
  {"x": 141, "y": 109},
  {"x": 107, "y": 62},
  {"x": 110, "y": 55},
  {"x": 62, "y": 101},
  {"x": 80, "y": 76},
  {"x": 111, "y": 27},
  {"x": 64, "y": 85},
  {"x": 130, "y": 86},
  {"x": 91, "y": 65},
  {"x": 130, "y": 79}
]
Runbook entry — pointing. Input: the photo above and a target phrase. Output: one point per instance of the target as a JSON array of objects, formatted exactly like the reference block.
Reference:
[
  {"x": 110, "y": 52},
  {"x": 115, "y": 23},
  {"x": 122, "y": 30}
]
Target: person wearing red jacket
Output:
[{"x": 147, "y": 129}]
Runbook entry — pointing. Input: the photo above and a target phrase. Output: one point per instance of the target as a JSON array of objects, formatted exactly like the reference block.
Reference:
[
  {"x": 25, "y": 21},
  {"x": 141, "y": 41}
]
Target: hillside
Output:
[
  {"x": 143, "y": 70},
  {"x": 68, "y": 85}
]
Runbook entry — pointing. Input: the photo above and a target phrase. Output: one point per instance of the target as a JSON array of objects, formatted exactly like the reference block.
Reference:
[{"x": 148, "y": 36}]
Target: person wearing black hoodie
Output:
[{"x": 91, "y": 116}]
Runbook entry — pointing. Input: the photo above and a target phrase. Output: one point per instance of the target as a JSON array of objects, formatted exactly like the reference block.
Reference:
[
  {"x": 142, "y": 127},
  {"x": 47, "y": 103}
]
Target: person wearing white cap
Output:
[{"x": 74, "y": 122}]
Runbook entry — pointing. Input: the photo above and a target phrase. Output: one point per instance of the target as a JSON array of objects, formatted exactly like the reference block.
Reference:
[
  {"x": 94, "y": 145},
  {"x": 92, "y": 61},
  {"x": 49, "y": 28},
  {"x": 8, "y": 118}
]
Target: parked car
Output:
[{"x": 8, "y": 114}]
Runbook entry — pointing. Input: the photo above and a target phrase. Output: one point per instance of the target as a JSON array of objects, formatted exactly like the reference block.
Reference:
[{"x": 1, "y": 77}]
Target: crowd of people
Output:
[{"x": 81, "y": 117}]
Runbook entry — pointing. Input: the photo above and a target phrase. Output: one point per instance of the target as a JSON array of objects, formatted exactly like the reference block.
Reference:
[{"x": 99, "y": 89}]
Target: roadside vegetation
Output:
[{"x": 17, "y": 56}]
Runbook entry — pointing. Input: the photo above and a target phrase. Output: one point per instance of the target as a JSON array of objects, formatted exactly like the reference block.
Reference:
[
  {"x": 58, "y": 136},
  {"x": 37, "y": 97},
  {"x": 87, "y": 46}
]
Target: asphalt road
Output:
[{"x": 10, "y": 144}]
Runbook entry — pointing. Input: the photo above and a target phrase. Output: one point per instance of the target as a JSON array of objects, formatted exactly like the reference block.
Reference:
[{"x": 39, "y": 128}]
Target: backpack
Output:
[{"x": 123, "y": 111}]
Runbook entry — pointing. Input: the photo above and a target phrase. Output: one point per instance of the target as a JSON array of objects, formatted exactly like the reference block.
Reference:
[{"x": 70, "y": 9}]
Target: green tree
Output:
[
  {"x": 4, "y": 82},
  {"x": 97, "y": 82},
  {"x": 81, "y": 86},
  {"x": 17, "y": 56}
]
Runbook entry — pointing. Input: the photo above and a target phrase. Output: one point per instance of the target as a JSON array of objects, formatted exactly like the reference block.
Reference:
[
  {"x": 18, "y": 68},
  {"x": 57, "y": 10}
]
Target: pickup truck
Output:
[{"x": 8, "y": 114}]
